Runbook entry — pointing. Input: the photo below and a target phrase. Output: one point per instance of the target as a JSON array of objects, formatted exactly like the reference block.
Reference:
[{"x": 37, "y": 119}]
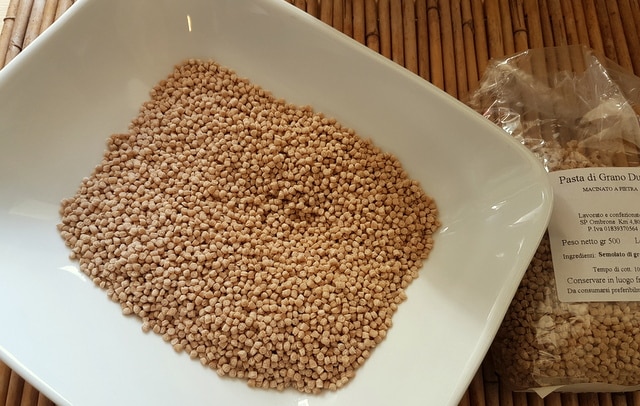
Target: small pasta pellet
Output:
[{"x": 261, "y": 238}]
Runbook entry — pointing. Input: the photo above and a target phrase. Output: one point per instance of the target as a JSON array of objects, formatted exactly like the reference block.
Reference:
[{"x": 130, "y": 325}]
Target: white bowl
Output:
[{"x": 85, "y": 79}]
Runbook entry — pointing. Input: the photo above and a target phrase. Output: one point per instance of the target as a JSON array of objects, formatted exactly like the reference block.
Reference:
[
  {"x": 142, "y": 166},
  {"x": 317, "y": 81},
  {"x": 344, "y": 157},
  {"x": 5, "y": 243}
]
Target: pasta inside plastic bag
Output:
[{"x": 572, "y": 109}]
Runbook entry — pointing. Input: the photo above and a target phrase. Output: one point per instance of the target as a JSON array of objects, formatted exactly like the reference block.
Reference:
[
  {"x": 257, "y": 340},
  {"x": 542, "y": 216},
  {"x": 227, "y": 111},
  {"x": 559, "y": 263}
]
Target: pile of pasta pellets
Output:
[
  {"x": 543, "y": 342},
  {"x": 264, "y": 239}
]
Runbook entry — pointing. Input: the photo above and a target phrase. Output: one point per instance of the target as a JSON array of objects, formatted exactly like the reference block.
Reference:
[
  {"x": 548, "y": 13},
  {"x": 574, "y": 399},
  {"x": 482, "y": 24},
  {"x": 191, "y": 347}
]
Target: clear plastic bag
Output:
[{"x": 572, "y": 109}]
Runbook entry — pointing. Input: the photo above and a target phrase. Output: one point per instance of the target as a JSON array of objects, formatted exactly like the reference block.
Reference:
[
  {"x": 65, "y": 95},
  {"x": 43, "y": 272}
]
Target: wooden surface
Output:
[
  {"x": 447, "y": 42},
  {"x": 4, "y": 4}
]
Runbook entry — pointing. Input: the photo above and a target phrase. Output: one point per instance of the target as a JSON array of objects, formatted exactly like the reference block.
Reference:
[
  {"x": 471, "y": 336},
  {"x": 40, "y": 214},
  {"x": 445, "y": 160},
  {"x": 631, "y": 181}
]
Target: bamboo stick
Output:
[
  {"x": 630, "y": 33},
  {"x": 605, "y": 30},
  {"x": 435, "y": 44},
  {"x": 48, "y": 14},
  {"x": 553, "y": 399},
  {"x": 448, "y": 48},
  {"x": 559, "y": 32},
  {"x": 573, "y": 38},
  {"x": 44, "y": 401},
  {"x": 371, "y": 25},
  {"x": 35, "y": 21},
  {"x": 476, "y": 389},
  {"x": 538, "y": 64},
  {"x": 409, "y": 35},
  {"x": 548, "y": 40},
  {"x": 558, "y": 59},
  {"x": 63, "y": 5},
  {"x": 397, "y": 34},
  {"x": 491, "y": 383},
  {"x": 482, "y": 54},
  {"x": 545, "y": 23},
  {"x": 520, "y": 37},
  {"x": 494, "y": 29},
  {"x": 534, "y": 400},
  {"x": 469, "y": 46},
  {"x": 5, "y": 375},
  {"x": 571, "y": 30},
  {"x": 337, "y": 19},
  {"x": 301, "y": 4},
  {"x": 619, "y": 399},
  {"x": 588, "y": 399},
  {"x": 593, "y": 27},
  {"x": 520, "y": 399},
  {"x": 635, "y": 11},
  {"x": 384, "y": 21},
  {"x": 624, "y": 60},
  {"x": 488, "y": 369},
  {"x": 569, "y": 399},
  {"x": 506, "y": 396},
  {"x": 507, "y": 27},
  {"x": 347, "y": 20},
  {"x": 7, "y": 29},
  {"x": 312, "y": 8},
  {"x": 580, "y": 22},
  {"x": 555, "y": 60},
  {"x": 359, "y": 25},
  {"x": 326, "y": 11},
  {"x": 422, "y": 30},
  {"x": 605, "y": 399},
  {"x": 465, "y": 401},
  {"x": 29, "y": 395},
  {"x": 19, "y": 30},
  {"x": 14, "y": 392},
  {"x": 617, "y": 31},
  {"x": 459, "y": 49}
]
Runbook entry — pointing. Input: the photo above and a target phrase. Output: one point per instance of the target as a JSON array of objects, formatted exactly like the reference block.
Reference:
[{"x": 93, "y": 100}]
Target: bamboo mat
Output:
[{"x": 447, "y": 42}]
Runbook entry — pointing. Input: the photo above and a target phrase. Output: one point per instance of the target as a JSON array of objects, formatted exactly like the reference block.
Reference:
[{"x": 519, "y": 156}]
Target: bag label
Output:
[{"x": 594, "y": 234}]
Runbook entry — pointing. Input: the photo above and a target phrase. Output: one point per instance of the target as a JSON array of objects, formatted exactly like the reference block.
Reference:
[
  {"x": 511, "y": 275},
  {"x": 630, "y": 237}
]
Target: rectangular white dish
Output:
[{"x": 85, "y": 79}]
